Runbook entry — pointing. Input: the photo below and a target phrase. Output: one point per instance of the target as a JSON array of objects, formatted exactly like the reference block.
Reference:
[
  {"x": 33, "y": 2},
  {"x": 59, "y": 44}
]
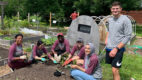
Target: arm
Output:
[
  {"x": 53, "y": 47},
  {"x": 34, "y": 53},
  {"x": 127, "y": 35},
  {"x": 92, "y": 65},
  {"x": 77, "y": 67},
  {"x": 78, "y": 14},
  {"x": 11, "y": 52},
  {"x": 82, "y": 53},
  {"x": 71, "y": 16},
  {"x": 44, "y": 50},
  {"x": 67, "y": 47},
  {"x": 69, "y": 57},
  {"x": 73, "y": 50},
  {"x": 106, "y": 38}
]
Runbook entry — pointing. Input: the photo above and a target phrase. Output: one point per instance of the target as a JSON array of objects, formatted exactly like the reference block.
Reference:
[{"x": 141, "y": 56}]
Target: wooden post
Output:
[
  {"x": 50, "y": 19},
  {"x": 28, "y": 17},
  {"x": 18, "y": 15},
  {"x": 78, "y": 14},
  {"x": 2, "y": 15},
  {"x": 2, "y": 3}
]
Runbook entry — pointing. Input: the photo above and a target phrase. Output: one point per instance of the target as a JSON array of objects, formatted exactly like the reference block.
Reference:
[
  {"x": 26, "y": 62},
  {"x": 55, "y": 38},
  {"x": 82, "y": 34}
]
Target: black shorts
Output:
[{"x": 115, "y": 61}]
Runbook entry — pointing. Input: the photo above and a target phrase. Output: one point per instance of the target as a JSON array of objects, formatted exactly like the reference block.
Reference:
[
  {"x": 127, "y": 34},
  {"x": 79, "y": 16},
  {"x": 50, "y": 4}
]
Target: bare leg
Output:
[{"x": 115, "y": 72}]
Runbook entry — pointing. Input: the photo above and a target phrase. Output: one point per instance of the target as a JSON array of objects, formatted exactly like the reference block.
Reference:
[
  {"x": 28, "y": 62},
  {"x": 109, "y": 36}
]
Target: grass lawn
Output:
[{"x": 131, "y": 68}]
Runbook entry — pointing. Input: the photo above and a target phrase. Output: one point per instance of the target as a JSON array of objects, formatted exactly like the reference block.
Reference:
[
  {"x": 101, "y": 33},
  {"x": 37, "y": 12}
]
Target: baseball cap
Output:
[
  {"x": 60, "y": 34},
  {"x": 80, "y": 40}
]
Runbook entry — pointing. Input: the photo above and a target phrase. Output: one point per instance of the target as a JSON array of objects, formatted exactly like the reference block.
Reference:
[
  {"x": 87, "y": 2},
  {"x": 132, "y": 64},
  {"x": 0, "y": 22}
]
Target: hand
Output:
[
  {"x": 113, "y": 52},
  {"x": 43, "y": 59},
  {"x": 67, "y": 62},
  {"x": 54, "y": 61},
  {"x": 79, "y": 62},
  {"x": 24, "y": 52},
  {"x": 75, "y": 57},
  {"x": 23, "y": 57},
  {"x": 74, "y": 66}
]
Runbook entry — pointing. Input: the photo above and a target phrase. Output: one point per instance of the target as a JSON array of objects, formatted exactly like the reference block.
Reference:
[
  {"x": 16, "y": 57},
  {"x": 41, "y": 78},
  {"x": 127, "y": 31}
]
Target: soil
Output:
[
  {"x": 38, "y": 71},
  {"x": 3, "y": 53},
  {"x": 5, "y": 70}
]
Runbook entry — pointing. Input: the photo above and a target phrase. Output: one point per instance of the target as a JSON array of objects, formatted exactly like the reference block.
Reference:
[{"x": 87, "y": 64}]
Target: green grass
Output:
[
  {"x": 131, "y": 68},
  {"x": 139, "y": 30}
]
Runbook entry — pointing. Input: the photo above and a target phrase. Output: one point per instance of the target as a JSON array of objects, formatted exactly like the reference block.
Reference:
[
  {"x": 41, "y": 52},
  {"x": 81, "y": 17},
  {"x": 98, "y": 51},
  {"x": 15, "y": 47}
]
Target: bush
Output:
[
  {"x": 24, "y": 23},
  {"x": 7, "y": 38},
  {"x": 4, "y": 32},
  {"x": 139, "y": 30},
  {"x": 49, "y": 41}
]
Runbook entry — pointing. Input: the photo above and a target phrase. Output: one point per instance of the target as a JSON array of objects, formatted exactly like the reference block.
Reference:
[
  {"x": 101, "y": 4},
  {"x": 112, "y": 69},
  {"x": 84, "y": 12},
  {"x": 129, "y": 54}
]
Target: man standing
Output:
[
  {"x": 119, "y": 33},
  {"x": 74, "y": 15}
]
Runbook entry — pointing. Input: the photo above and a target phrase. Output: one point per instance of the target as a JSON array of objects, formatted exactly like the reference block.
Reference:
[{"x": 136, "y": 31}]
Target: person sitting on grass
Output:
[
  {"x": 17, "y": 58},
  {"x": 38, "y": 51},
  {"x": 91, "y": 69},
  {"x": 78, "y": 52},
  {"x": 60, "y": 47}
]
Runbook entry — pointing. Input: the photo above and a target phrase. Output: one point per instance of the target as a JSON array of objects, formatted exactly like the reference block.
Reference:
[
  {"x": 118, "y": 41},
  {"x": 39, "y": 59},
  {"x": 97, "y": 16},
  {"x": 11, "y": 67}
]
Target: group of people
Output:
[
  {"x": 87, "y": 65},
  {"x": 85, "y": 56}
]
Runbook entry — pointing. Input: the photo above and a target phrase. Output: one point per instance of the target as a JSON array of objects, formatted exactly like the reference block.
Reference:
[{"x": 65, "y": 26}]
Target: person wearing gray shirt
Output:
[{"x": 118, "y": 35}]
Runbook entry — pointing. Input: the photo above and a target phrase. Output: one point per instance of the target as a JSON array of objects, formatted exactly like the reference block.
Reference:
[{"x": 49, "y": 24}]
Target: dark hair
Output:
[
  {"x": 18, "y": 35},
  {"x": 79, "y": 40},
  {"x": 39, "y": 42},
  {"x": 116, "y": 3}
]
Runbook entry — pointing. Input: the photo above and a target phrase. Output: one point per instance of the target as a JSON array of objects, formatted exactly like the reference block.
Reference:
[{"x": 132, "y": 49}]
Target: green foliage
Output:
[
  {"x": 13, "y": 22},
  {"x": 61, "y": 9},
  {"x": 28, "y": 49},
  {"x": 7, "y": 38},
  {"x": 131, "y": 68},
  {"x": 139, "y": 30},
  {"x": 1, "y": 34},
  {"x": 49, "y": 41},
  {"x": 14, "y": 30},
  {"x": 24, "y": 23},
  {"x": 4, "y": 32}
]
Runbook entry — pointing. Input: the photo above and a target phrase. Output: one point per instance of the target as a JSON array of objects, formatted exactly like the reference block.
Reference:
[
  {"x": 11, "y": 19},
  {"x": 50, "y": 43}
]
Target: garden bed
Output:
[
  {"x": 38, "y": 71},
  {"x": 9, "y": 39},
  {"x": 3, "y": 53},
  {"x": 5, "y": 70}
]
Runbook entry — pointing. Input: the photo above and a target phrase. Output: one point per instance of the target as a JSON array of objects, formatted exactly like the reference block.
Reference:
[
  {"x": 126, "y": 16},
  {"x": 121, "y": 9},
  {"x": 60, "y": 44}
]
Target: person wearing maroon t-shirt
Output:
[
  {"x": 16, "y": 57},
  {"x": 78, "y": 50},
  {"x": 91, "y": 69},
  {"x": 60, "y": 47}
]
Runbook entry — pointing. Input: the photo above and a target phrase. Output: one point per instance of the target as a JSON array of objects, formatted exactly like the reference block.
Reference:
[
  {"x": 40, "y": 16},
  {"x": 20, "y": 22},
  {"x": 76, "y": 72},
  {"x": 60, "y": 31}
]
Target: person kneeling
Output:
[
  {"x": 91, "y": 69},
  {"x": 17, "y": 58},
  {"x": 38, "y": 51}
]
